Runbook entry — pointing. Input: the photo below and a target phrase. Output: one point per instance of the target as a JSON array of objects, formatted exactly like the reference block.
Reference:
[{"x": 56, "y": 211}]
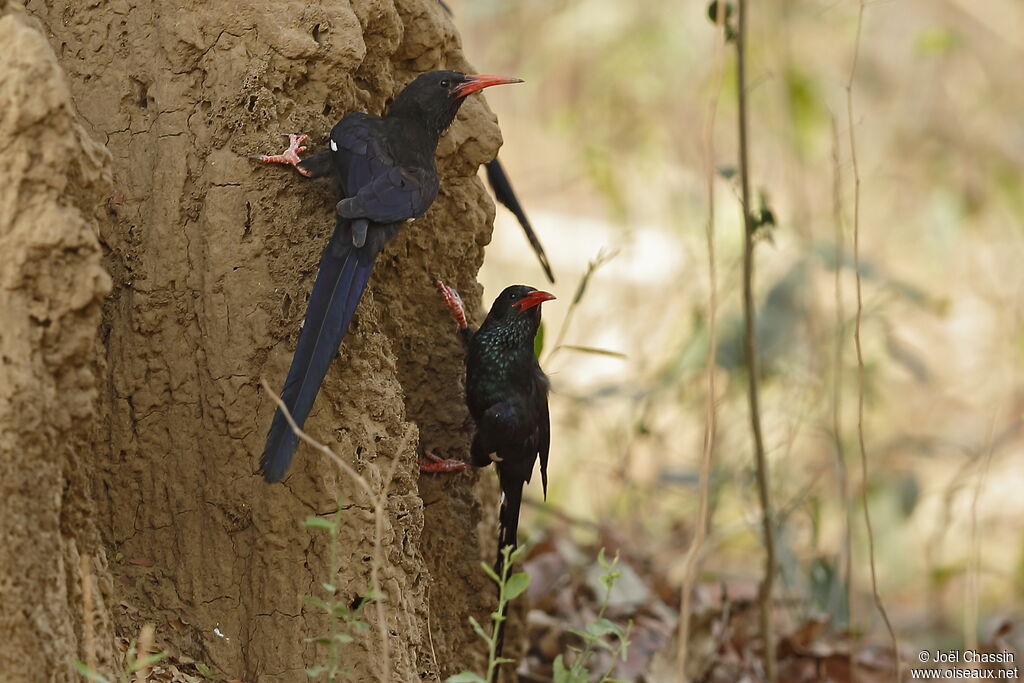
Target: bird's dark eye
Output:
[{"x": 445, "y": 83}]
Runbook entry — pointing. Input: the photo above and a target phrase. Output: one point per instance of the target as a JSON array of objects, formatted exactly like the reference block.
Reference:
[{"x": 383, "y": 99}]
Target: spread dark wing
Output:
[{"x": 373, "y": 185}]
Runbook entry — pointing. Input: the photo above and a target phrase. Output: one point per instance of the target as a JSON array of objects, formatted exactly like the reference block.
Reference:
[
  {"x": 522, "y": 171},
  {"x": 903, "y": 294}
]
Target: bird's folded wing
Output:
[
  {"x": 375, "y": 187},
  {"x": 396, "y": 195}
]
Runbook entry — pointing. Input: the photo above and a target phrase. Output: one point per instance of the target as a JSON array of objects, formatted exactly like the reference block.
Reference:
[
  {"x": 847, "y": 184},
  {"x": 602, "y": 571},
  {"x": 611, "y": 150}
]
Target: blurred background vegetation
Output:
[{"x": 604, "y": 146}]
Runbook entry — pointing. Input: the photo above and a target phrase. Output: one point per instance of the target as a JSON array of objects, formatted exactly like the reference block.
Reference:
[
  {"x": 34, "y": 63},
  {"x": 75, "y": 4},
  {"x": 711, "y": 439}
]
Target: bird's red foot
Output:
[
  {"x": 434, "y": 463},
  {"x": 289, "y": 156},
  {"x": 453, "y": 301}
]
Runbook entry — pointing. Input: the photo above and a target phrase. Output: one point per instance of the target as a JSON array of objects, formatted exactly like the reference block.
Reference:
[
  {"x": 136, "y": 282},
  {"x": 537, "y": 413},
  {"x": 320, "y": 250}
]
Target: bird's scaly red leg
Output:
[
  {"x": 453, "y": 301},
  {"x": 289, "y": 156},
  {"x": 434, "y": 463}
]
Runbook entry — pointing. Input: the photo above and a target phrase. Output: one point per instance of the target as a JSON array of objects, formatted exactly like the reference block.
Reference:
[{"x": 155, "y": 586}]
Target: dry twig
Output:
[
  {"x": 88, "y": 631},
  {"x": 693, "y": 553},
  {"x": 378, "y": 501},
  {"x": 750, "y": 348},
  {"x": 860, "y": 354}
]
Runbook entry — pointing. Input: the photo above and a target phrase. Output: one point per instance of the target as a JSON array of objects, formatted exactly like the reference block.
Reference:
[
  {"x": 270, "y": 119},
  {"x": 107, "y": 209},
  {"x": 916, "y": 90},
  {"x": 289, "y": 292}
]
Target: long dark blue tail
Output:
[
  {"x": 504, "y": 193},
  {"x": 344, "y": 272}
]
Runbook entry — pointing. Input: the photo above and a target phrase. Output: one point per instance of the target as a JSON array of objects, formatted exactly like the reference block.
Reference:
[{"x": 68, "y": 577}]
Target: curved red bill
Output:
[
  {"x": 533, "y": 299},
  {"x": 480, "y": 81}
]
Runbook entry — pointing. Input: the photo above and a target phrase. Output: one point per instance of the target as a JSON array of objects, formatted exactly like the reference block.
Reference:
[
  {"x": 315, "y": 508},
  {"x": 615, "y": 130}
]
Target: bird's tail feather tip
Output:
[
  {"x": 277, "y": 454},
  {"x": 272, "y": 471}
]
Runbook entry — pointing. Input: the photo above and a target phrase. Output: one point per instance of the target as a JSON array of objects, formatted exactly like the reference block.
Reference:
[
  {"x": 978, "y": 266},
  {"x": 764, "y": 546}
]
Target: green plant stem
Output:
[
  {"x": 750, "y": 347},
  {"x": 499, "y": 616},
  {"x": 615, "y": 654},
  {"x": 335, "y": 620},
  {"x": 577, "y": 666}
]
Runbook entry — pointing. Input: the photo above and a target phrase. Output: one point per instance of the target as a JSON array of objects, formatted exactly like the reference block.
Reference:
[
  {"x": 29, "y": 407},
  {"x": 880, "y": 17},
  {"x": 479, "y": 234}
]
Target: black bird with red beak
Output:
[
  {"x": 385, "y": 168},
  {"x": 507, "y": 396}
]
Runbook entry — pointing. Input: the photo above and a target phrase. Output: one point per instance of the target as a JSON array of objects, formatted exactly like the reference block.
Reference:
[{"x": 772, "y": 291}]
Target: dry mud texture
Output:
[
  {"x": 51, "y": 288},
  {"x": 133, "y": 427}
]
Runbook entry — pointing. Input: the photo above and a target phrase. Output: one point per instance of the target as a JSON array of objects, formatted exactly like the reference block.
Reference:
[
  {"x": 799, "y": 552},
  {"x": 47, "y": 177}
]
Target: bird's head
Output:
[
  {"x": 435, "y": 97},
  {"x": 516, "y": 312}
]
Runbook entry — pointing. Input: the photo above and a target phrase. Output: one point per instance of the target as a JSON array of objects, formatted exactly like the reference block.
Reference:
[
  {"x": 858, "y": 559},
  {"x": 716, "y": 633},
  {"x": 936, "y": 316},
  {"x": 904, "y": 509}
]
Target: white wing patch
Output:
[{"x": 334, "y": 146}]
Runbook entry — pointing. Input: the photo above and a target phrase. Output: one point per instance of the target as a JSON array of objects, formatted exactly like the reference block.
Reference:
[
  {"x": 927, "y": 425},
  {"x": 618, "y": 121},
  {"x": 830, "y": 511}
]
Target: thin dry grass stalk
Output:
[
  {"x": 147, "y": 636},
  {"x": 842, "y": 473},
  {"x": 860, "y": 353},
  {"x": 378, "y": 501},
  {"x": 88, "y": 632},
  {"x": 751, "y": 353},
  {"x": 693, "y": 553},
  {"x": 973, "y": 583}
]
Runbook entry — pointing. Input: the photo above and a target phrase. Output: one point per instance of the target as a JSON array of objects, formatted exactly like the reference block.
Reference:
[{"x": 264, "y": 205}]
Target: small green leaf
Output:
[
  {"x": 203, "y": 669},
  {"x": 315, "y": 671},
  {"x": 478, "y": 628},
  {"x": 538, "y": 341},
  {"x": 516, "y": 585},
  {"x": 513, "y": 555},
  {"x": 81, "y": 668},
  {"x": 343, "y": 638},
  {"x": 582, "y": 634},
  {"x": 319, "y": 640},
  {"x": 610, "y": 578},
  {"x": 465, "y": 677},
  {"x": 559, "y": 673},
  {"x": 594, "y": 351},
  {"x": 727, "y": 172},
  {"x": 148, "y": 661},
  {"x": 490, "y": 572},
  {"x": 314, "y": 522},
  {"x": 604, "y": 627},
  {"x": 329, "y": 587},
  {"x": 316, "y": 602}
]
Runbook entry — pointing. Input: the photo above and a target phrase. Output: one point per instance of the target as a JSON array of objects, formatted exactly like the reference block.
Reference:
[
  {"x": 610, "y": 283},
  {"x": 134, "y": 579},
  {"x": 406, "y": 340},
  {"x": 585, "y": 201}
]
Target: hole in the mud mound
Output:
[
  {"x": 141, "y": 94},
  {"x": 327, "y": 109},
  {"x": 248, "y": 219},
  {"x": 252, "y": 103},
  {"x": 356, "y": 603},
  {"x": 316, "y": 33},
  {"x": 286, "y": 305}
]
